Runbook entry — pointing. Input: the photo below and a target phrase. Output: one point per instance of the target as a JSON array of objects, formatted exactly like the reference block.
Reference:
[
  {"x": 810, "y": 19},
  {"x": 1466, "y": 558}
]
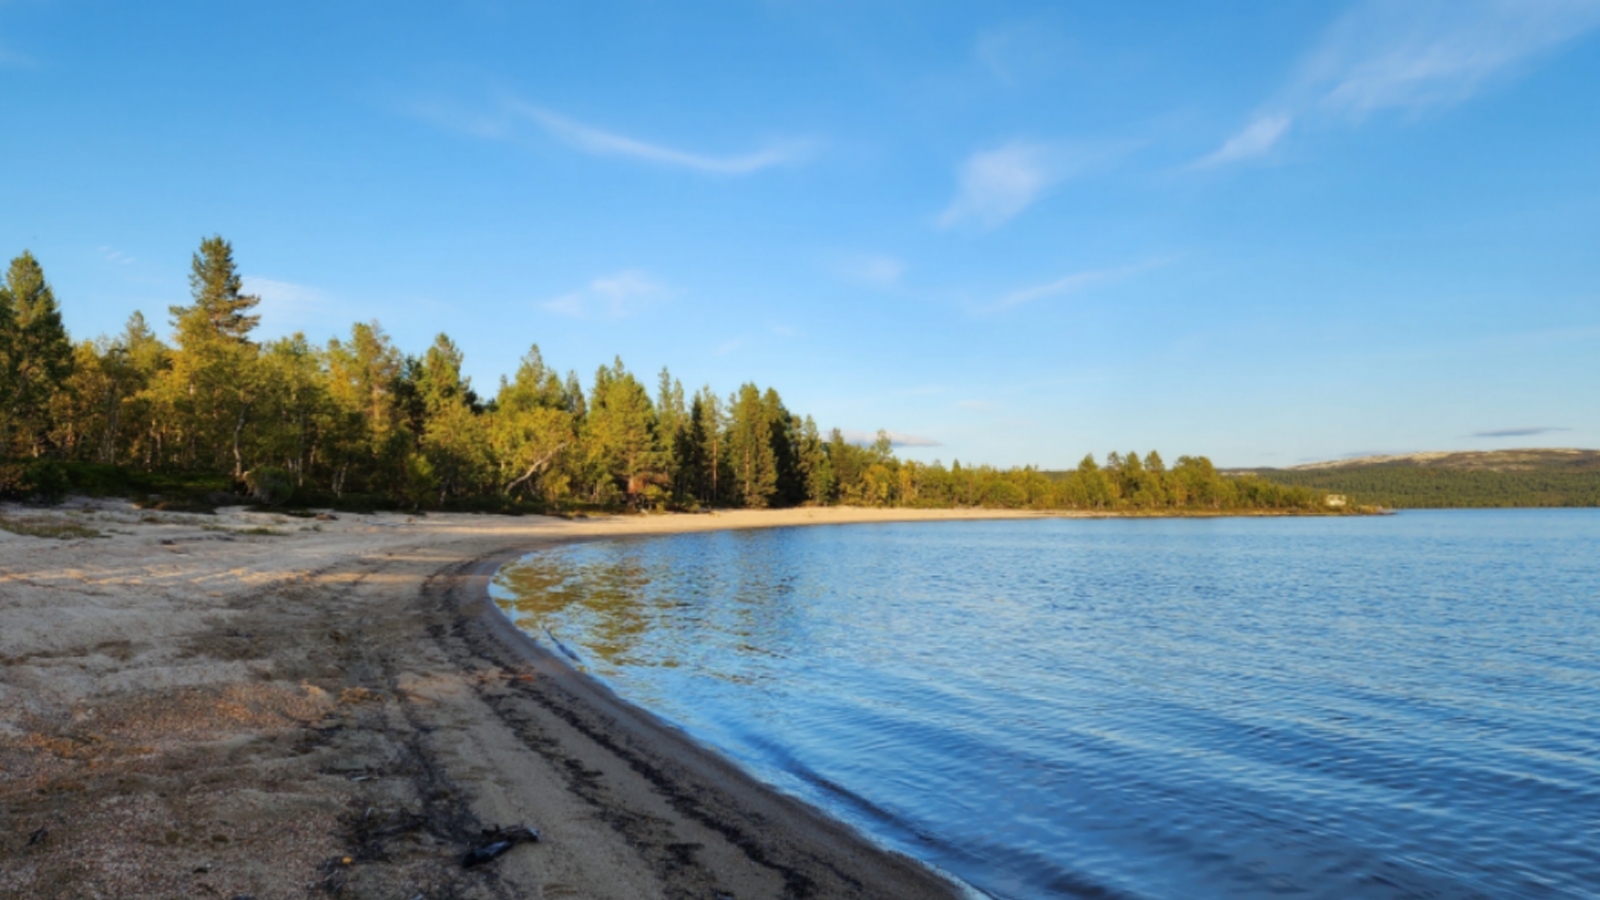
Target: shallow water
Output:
[{"x": 1404, "y": 706}]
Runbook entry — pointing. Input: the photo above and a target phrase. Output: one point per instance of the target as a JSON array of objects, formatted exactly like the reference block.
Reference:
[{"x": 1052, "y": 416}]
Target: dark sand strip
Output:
[{"x": 191, "y": 710}]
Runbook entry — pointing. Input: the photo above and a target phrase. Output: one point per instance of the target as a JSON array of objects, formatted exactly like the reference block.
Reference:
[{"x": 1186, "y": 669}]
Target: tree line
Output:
[
  {"x": 356, "y": 421},
  {"x": 1409, "y": 486}
]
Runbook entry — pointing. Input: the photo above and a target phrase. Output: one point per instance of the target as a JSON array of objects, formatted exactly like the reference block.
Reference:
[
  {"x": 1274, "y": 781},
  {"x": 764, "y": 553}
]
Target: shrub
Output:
[
  {"x": 45, "y": 481},
  {"x": 269, "y": 485}
]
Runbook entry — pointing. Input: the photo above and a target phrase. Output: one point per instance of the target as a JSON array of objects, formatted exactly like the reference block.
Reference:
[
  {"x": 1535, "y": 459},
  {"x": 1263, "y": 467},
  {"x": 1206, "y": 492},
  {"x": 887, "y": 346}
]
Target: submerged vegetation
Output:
[{"x": 215, "y": 416}]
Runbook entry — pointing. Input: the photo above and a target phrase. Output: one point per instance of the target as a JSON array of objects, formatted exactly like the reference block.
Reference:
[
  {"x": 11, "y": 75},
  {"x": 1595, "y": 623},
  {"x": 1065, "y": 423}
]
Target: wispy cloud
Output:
[
  {"x": 612, "y": 297},
  {"x": 873, "y": 270},
  {"x": 285, "y": 306},
  {"x": 1383, "y": 55},
  {"x": 605, "y": 143},
  {"x": 995, "y": 185},
  {"x": 1257, "y": 139},
  {"x": 113, "y": 255},
  {"x": 1517, "y": 432},
  {"x": 508, "y": 121},
  {"x": 896, "y": 438},
  {"x": 1072, "y": 284}
]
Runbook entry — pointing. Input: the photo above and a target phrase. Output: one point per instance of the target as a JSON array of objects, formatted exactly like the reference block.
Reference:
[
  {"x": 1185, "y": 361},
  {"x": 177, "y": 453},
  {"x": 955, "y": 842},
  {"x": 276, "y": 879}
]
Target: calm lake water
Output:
[{"x": 1404, "y": 706}]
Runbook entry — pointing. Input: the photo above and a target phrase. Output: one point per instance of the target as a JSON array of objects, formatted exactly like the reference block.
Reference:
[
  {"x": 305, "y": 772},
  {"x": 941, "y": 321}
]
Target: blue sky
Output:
[{"x": 1007, "y": 232}]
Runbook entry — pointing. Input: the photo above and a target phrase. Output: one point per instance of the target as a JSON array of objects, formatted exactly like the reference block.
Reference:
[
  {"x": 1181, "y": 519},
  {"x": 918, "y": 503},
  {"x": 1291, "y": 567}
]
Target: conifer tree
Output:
[
  {"x": 8, "y": 374},
  {"x": 210, "y": 392},
  {"x": 621, "y": 429},
  {"x": 671, "y": 419},
  {"x": 531, "y": 426},
  {"x": 791, "y": 485},
  {"x": 844, "y": 459},
  {"x": 689, "y": 452},
  {"x": 38, "y": 356},
  {"x": 451, "y": 434},
  {"x": 814, "y": 464},
  {"x": 755, "y": 467},
  {"x": 216, "y": 287},
  {"x": 710, "y": 438}
]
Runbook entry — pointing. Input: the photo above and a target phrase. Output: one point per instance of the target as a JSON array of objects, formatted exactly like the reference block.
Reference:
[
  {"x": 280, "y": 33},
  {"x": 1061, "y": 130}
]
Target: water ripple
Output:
[{"x": 1402, "y": 707}]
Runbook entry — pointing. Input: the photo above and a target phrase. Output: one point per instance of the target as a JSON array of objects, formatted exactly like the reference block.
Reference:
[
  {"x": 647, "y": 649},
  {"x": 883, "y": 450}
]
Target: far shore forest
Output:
[{"x": 357, "y": 423}]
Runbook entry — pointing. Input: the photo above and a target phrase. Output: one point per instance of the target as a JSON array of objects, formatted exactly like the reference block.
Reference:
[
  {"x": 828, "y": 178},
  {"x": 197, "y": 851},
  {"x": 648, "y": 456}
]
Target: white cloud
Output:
[
  {"x": 508, "y": 120},
  {"x": 285, "y": 306},
  {"x": 1383, "y": 55},
  {"x": 896, "y": 438},
  {"x": 1070, "y": 284},
  {"x": 1257, "y": 139},
  {"x": 997, "y": 184},
  {"x": 875, "y": 271},
  {"x": 613, "y": 297},
  {"x": 605, "y": 143},
  {"x": 112, "y": 255}
]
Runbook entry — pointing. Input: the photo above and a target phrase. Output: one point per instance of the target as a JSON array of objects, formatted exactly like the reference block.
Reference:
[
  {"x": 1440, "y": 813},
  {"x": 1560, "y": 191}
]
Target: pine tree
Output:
[
  {"x": 755, "y": 467},
  {"x": 38, "y": 356},
  {"x": 8, "y": 368},
  {"x": 215, "y": 285},
  {"x": 531, "y": 425},
  {"x": 211, "y": 389},
  {"x": 671, "y": 420},
  {"x": 709, "y": 428},
  {"x": 439, "y": 381},
  {"x": 621, "y": 428},
  {"x": 814, "y": 464},
  {"x": 844, "y": 460},
  {"x": 791, "y": 484},
  {"x": 451, "y": 435},
  {"x": 689, "y": 451}
]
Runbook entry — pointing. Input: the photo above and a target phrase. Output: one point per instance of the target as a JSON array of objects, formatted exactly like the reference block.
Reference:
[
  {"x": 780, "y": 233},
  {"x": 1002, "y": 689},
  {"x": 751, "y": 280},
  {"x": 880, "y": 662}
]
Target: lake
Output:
[{"x": 1386, "y": 707}]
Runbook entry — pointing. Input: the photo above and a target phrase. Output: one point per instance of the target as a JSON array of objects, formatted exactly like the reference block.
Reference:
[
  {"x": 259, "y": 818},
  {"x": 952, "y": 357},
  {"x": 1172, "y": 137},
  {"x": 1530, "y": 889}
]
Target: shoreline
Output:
[{"x": 252, "y": 705}]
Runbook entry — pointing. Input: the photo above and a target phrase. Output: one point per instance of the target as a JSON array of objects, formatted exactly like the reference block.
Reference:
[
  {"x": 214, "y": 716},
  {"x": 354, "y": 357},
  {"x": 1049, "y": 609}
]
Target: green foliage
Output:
[
  {"x": 750, "y": 446},
  {"x": 40, "y": 527},
  {"x": 219, "y": 309},
  {"x": 45, "y": 481},
  {"x": 269, "y": 485},
  {"x": 36, "y": 358},
  {"x": 1407, "y": 485},
  {"x": 356, "y": 424}
]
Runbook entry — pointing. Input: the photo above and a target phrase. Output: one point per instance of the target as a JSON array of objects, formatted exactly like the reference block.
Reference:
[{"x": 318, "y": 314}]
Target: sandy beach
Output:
[{"x": 255, "y": 705}]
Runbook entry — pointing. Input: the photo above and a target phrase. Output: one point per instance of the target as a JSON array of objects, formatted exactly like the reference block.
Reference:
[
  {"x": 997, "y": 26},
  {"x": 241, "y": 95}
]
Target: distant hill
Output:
[{"x": 1455, "y": 479}]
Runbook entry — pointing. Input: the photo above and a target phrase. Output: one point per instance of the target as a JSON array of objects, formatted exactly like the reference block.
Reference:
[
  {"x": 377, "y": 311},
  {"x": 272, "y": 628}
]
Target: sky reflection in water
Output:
[{"x": 1385, "y": 707}]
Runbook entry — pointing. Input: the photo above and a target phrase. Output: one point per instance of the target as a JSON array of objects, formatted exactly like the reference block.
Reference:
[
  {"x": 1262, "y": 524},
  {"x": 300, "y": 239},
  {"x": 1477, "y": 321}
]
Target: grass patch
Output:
[
  {"x": 48, "y": 528},
  {"x": 261, "y": 530}
]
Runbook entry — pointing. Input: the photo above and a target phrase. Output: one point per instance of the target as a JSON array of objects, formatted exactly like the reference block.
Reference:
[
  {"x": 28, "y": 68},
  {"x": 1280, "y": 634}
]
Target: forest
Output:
[
  {"x": 211, "y": 415},
  {"x": 1556, "y": 479}
]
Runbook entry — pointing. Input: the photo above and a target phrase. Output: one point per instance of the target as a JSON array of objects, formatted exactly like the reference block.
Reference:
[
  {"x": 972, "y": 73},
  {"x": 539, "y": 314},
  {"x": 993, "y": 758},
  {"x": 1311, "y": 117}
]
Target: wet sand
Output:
[{"x": 253, "y": 705}]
